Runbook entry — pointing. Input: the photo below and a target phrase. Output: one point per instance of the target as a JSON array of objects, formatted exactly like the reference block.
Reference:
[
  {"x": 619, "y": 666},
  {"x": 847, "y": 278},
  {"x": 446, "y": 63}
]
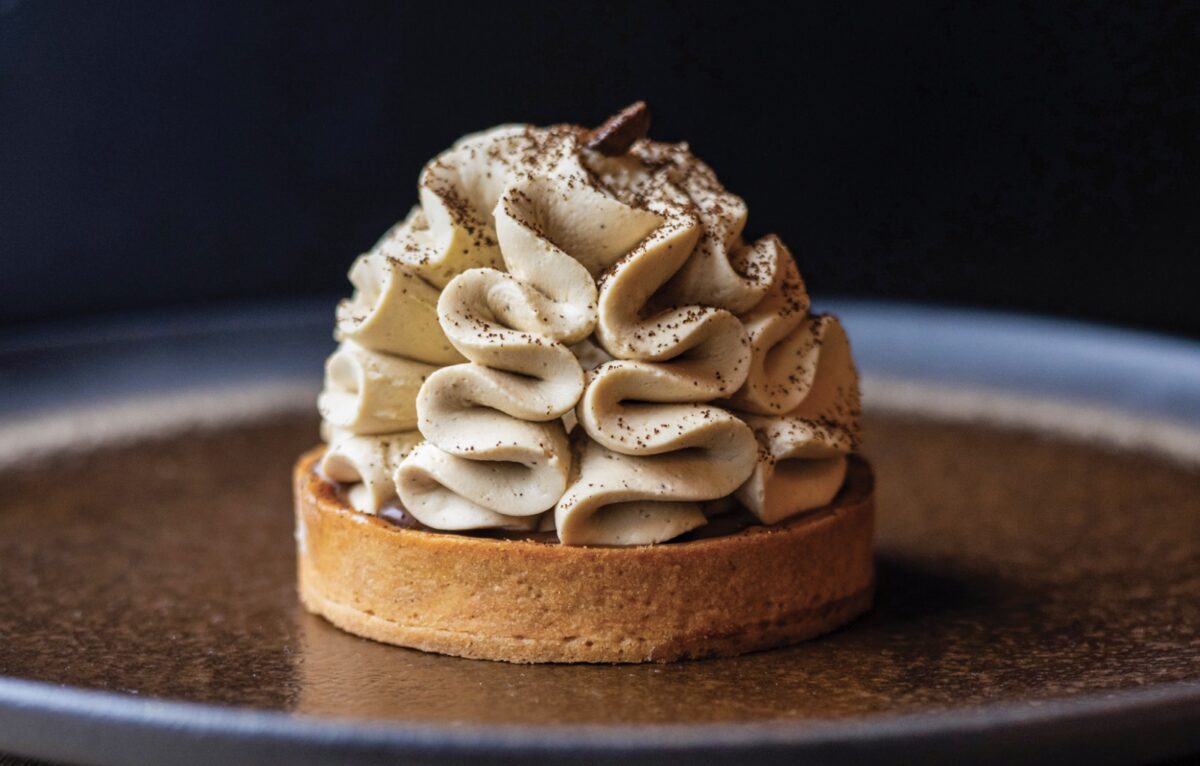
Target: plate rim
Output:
[{"x": 1160, "y": 721}]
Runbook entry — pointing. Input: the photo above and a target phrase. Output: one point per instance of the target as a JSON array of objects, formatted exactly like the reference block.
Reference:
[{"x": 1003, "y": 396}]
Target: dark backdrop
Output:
[{"x": 1034, "y": 156}]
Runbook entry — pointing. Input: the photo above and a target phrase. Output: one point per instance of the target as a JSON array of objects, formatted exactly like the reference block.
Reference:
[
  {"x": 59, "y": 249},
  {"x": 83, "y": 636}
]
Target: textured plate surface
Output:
[{"x": 1039, "y": 589}]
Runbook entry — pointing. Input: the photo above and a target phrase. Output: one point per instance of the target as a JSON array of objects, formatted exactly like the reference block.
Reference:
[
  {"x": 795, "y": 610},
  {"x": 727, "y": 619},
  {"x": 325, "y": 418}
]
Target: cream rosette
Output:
[
  {"x": 654, "y": 447},
  {"x": 393, "y": 311},
  {"x": 391, "y": 341},
  {"x": 369, "y": 420},
  {"x": 394, "y": 306},
  {"x": 496, "y": 451},
  {"x": 723, "y": 270},
  {"x": 641, "y": 480},
  {"x": 366, "y": 463},
  {"x": 801, "y": 398}
]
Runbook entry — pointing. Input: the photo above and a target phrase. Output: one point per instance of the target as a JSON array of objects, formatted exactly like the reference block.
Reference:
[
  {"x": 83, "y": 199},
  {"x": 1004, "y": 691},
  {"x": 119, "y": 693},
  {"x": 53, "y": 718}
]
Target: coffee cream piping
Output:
[
  {"x": 515, "y": 227},
  {"x": 496, "y": 453},
  {"x": 652, "y": 445}
]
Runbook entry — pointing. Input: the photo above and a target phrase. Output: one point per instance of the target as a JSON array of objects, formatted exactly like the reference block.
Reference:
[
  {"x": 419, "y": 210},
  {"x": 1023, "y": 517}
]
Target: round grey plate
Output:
[{"x": 1039, "y": 559}]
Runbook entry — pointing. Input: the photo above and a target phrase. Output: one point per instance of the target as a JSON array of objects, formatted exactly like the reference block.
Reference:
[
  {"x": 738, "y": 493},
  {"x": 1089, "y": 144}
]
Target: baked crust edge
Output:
[{"x": 531, "y": 602}]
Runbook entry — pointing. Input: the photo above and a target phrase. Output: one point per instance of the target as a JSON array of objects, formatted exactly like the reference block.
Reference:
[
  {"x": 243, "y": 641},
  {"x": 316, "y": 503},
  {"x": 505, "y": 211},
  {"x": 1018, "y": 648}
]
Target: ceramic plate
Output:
[{"x": 1038, "y": 550}]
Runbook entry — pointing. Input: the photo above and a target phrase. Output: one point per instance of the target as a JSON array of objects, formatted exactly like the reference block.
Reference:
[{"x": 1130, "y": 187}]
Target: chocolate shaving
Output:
[{"x": 618, "y": 132}]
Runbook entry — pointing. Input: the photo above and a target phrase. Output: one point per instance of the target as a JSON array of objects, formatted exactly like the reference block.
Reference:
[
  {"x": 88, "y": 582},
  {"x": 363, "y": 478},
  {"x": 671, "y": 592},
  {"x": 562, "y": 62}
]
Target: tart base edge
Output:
[{"x": 532, "y": 602}]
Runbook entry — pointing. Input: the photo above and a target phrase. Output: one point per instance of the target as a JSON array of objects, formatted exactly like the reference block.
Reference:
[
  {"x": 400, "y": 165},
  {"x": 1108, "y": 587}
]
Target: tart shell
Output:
[{"x": 525, "y": 601}]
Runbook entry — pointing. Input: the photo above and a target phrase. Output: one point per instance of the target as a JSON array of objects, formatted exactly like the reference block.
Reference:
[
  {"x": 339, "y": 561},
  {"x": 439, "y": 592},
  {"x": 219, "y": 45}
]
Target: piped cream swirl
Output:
[
  {"x": 496, "y": 451},
  {"x": 532, "y": 259},
  {"x": 648, "y": 406},
  {"x": 802, "y": 452}
]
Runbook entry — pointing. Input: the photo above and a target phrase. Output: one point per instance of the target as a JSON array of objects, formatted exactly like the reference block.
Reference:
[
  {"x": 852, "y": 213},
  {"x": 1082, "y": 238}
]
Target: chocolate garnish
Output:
[{"x": 617, "y": 134}]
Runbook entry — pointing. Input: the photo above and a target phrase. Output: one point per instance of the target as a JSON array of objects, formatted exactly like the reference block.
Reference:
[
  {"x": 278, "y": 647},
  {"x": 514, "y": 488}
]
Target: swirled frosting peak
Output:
[{"x": 570, "y": 333}]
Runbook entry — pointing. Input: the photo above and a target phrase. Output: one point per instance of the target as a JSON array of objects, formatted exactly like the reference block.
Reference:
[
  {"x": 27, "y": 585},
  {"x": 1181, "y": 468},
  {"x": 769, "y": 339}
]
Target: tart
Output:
[
  {"x": 528, "y": 600},
  {"x": 575, "y": 416}
]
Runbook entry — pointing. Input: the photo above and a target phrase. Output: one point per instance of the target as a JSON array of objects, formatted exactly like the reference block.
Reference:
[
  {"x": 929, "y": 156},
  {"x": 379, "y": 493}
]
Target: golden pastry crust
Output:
[{"x": 525, "y": 601}]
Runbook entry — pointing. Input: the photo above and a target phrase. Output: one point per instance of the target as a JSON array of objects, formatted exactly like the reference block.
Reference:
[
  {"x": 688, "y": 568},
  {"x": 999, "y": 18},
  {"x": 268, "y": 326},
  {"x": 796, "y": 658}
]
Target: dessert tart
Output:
[{"x": 574, "y": 416}]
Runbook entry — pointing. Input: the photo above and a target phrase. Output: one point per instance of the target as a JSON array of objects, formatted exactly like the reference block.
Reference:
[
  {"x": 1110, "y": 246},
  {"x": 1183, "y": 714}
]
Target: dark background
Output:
[{"x": 1032, "y": 156}]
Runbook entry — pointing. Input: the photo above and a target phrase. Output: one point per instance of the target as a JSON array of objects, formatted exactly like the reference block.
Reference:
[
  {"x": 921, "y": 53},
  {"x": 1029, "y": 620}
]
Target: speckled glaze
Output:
[{"x": 1012, "y": 567}]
